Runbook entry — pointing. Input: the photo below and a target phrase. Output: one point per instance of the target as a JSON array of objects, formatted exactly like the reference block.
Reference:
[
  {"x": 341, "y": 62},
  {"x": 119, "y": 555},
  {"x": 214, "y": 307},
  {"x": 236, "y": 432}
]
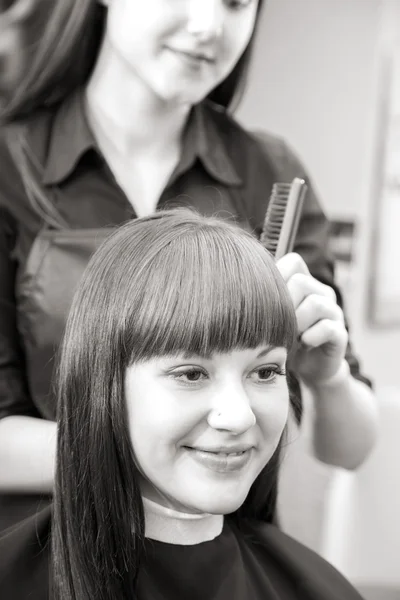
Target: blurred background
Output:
[{"x": 326, "y": 78}]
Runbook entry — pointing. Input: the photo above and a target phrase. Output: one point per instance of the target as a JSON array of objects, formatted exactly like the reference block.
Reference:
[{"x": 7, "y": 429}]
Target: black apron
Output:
[{"x": 44, "y": 292}]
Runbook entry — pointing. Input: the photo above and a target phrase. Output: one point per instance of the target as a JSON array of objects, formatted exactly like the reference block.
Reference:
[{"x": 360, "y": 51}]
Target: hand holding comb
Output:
[{"x": 283, "y": 216}]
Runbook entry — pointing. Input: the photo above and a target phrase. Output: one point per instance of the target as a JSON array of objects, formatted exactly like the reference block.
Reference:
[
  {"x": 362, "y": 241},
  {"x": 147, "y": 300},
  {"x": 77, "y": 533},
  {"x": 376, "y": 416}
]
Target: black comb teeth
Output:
[
  {"x": 273, "y": 221},
  {"x": 283, "y": 216}
]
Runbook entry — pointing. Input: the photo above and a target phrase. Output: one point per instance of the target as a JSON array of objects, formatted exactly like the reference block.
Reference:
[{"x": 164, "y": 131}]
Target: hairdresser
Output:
[{"x": 122, "y": 108}]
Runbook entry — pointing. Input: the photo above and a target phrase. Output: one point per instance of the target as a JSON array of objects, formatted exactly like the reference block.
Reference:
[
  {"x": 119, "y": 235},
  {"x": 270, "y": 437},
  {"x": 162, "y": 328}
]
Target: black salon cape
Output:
[{"x": 259, "y": 562}]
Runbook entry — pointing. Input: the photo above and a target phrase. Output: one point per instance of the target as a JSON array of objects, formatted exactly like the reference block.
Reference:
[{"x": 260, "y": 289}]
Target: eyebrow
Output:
[{"x": 267, "y": 350}]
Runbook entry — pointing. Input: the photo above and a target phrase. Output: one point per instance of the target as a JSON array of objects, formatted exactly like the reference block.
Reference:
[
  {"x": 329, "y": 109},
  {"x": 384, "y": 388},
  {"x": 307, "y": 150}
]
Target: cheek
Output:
[
  {"x": 124, "y": 31},
  {"x": 154, "y": 426},
  {"x": 134, "y": 30},
  {"x": 157, "y": 424},
  {"x": 272, "y": 415},
  {"x": 237, "y": 37},
  {"x": 152, "y": 440},
  {"x": 156, "y": 434}
]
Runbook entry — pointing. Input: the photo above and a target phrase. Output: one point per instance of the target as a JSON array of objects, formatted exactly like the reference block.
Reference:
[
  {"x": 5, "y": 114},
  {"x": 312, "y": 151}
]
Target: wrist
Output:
[{"x": 340, "y": 377}]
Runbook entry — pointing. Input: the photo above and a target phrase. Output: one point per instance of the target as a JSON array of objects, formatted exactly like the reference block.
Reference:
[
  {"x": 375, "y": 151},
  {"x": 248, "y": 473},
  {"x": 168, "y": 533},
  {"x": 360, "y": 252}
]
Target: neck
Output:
[
  {"x": 174, "y": 527},
  {"x": 123, "y": 104}
]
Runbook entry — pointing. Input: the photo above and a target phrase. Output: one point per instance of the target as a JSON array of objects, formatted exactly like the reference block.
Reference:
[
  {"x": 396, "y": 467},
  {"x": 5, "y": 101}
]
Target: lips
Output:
[
  {"x": 236, "y": 451},
  {"x": 219, "y": 453},
  {"x": 221, "y": 462},
  {"x": 222, "y": 451},
  {"x": 227, "y": 453},
  {"x": 198, "y": 56},
  {"x": 194, "y": 55}
]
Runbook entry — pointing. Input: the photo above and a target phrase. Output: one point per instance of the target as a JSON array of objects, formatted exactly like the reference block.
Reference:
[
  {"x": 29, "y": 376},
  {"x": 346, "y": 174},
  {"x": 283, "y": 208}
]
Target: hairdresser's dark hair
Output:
[
  {"x": 229, "y": 92},
  {"x": 174, "y": 281},
  {"x": 62, "y": 40}
]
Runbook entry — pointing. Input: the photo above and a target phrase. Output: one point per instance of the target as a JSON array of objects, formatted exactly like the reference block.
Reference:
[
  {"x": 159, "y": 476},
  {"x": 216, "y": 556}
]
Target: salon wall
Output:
[
  {"x": 312, "y": 82},
  {"x": 315, "y": 82}
]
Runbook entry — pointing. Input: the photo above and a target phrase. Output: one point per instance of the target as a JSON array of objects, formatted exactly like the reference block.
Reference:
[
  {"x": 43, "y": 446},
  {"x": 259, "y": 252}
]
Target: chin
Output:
[
  {"x": 225, "y": 508},
  {"x": 183, "y": 95},
  {"x": 220, "y": 505}
]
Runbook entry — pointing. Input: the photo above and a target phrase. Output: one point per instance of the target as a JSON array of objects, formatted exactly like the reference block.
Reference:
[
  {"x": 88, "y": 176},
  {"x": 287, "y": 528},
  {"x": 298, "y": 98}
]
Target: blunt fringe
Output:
[{"x": 172, "y": 282}]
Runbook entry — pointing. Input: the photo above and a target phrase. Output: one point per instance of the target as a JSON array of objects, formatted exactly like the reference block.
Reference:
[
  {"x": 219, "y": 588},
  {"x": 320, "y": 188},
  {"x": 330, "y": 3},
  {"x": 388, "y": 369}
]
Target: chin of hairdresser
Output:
[{"x": 125, "y": 115}]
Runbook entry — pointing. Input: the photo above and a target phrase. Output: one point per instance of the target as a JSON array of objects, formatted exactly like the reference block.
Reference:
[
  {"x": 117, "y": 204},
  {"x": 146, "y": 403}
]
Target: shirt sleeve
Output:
[
  {"x": 314, "y": 230},
  {"x": 14, "y": 395}
]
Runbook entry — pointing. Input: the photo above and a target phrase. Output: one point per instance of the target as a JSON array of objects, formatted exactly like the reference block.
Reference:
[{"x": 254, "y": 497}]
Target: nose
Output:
[
  {"x": 232, "y": 410},
  {"x": 206, "y": 19}
]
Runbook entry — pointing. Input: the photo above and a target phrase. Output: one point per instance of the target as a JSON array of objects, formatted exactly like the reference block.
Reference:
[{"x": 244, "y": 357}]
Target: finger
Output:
[
  {"x": 316, "y": 308},
  {"x": 290, "y": 264},
  {"x": 300, "y": 286},
  {"x": 324, "y": 332}
]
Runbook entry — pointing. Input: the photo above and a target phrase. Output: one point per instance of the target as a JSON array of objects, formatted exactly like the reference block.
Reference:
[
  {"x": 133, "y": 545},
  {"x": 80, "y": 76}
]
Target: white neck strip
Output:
[{"x": 174, "y": 527}]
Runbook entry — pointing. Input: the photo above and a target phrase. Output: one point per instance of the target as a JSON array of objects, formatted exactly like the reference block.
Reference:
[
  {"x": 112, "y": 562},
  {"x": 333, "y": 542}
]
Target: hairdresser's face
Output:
[
  {"x": 186, "y": 414},
  {"x": 179, "y": 50}
]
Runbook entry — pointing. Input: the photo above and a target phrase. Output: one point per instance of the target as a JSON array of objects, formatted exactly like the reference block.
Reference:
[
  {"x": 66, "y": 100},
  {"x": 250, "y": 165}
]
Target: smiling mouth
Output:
[
  {"x": 193, "y": 56},
  {"x": 217, "y": 453},
  {"x": 221, "y": 462}
]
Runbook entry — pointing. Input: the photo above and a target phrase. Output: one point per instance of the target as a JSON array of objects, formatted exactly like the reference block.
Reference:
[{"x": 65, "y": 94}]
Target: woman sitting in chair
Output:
[{"x": 173, "y": 400}]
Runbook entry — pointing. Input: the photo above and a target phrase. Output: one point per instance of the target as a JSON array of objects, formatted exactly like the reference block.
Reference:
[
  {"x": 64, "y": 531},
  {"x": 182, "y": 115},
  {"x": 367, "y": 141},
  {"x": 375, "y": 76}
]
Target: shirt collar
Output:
[
  {"x": 211, "y": 144},
  {"x": 174, "y": 527},
  {"x": 71, "y": 138}
]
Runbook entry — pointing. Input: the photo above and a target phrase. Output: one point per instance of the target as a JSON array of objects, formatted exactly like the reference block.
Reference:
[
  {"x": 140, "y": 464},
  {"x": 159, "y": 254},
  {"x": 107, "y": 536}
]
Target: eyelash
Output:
[
  {"x": 179, "y": 375},
  {"x": 239, "y": 4},
  {"x": 275, "y": 369}
]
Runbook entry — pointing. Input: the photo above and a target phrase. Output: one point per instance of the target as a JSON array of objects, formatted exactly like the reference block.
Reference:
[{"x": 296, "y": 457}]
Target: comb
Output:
[{"x": 283, "y": 216}]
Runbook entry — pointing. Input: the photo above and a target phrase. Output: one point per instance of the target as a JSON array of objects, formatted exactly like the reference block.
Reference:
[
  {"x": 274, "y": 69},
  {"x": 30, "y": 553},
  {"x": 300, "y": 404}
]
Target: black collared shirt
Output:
[{"x": 223, "y": 171}]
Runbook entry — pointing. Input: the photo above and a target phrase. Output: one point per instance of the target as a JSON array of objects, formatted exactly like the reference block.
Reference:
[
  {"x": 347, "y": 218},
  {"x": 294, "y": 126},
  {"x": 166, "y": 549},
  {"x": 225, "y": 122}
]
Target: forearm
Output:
[
  {"x": 27, "y": 454},
  {"x": 345, "y": 422}
]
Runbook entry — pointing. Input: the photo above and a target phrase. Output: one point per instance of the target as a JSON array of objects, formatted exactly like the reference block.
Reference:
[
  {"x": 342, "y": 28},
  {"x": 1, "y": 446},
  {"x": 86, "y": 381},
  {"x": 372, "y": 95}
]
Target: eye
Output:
[
  {"x": 267, "y": 373},
  {"x": 238, "y": 4},
  {"x": 189, "y": 375}
]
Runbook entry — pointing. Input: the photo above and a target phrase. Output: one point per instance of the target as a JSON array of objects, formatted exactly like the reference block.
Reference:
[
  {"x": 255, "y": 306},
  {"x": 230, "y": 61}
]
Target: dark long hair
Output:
[
  {"x": 174, "y": 281},
  {"x": 60, "y": 41}
]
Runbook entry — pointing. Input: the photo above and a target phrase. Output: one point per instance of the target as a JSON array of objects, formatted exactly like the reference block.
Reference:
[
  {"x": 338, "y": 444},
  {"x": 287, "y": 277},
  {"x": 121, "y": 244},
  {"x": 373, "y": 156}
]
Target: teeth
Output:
[{"x": 221, "y": 453}]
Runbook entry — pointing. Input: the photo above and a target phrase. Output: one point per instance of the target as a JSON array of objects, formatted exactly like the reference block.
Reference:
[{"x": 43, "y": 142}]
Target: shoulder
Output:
[
  {"x": 230, "y": 127},
  {"x": 24, "y": 558},
  {"x": 309, "y": 571},
  {"x": 15, "y": 206},
  {"x": 9, "y": 175},
  {"x": 281, "y": 154},
  {"x": 30, "y": 136},
  {"x": 12, "y": 193},
  {"x": 259, "y": 145}
]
